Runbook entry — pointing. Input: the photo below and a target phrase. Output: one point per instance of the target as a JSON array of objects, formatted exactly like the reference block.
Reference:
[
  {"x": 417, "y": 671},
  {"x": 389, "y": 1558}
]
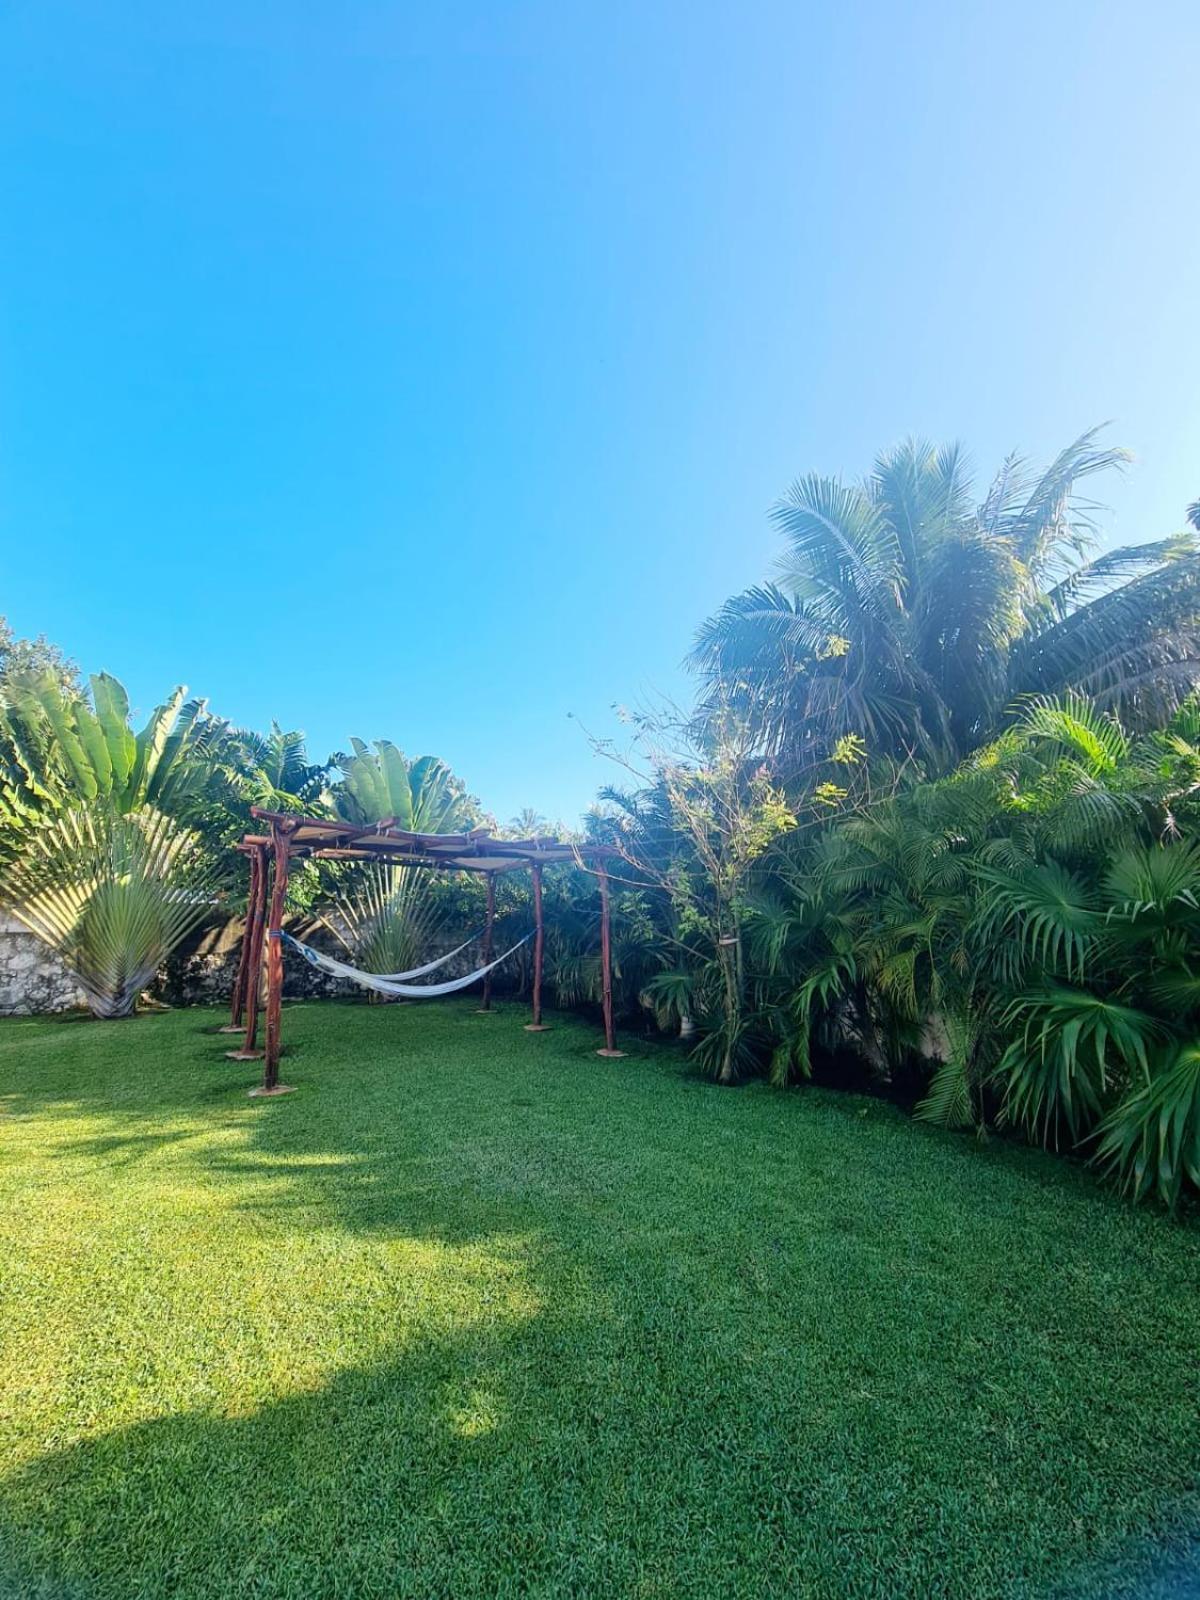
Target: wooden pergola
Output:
[{"x": 292, "y": 838}]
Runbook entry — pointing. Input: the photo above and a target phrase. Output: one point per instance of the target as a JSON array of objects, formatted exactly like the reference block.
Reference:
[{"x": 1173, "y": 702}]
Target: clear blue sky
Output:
[{"x": 461, "y": 348}]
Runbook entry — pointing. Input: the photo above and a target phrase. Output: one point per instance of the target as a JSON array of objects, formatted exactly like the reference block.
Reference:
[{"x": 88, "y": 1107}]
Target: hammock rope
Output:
[{"x": 383, "y": 984}]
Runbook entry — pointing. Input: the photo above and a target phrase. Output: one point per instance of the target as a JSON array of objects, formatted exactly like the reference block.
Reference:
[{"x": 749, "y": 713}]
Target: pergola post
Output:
[
  {"x": 252, "y": 951},
  {"x": 539, "y": 950},
  {"x": 610, "y": 1041},
  {"x": 486, "y": 1003},
  {"x": 281, "y": 833},
  {"x": 237, "y": 1000}
]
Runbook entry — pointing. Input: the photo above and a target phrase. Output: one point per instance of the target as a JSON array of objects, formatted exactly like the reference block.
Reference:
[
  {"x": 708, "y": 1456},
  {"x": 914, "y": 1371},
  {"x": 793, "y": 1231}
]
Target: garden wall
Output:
[{"x": 32, "y": 979}]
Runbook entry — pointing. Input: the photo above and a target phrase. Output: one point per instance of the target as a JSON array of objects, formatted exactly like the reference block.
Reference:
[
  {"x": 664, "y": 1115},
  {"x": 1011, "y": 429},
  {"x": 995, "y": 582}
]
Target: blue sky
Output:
[{"x": 427, "y": 371}]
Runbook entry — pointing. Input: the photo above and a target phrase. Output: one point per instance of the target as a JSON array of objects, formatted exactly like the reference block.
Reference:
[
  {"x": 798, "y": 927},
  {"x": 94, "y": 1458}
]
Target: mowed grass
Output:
[{"x": 476, "y": 1313}]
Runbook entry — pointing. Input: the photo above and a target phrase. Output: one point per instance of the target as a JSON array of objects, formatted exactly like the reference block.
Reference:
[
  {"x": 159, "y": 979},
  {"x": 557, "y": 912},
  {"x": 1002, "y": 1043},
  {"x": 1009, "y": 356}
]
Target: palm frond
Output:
[
  {"x": 1150, "y": 1140},
  {"x": 1049, "y": 913},
  {"x": 1072, "y": 1043},
  {"x": 950, "y": 1102}
]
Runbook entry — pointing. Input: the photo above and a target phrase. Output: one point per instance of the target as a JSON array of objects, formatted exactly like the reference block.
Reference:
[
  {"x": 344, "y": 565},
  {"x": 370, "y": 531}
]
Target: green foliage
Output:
[
  {"x": 60, "y": 750},
  {"x": 22, "y": 658},
  {"x": 1072, "y": 1048},
  {"x": 273, "y": 771},
  {"x": 386, "y": 917},
  {"x": 104, "y": 864},
  {"x": 1021, "y": 934},
  {"x": 1046, "y": 914}
]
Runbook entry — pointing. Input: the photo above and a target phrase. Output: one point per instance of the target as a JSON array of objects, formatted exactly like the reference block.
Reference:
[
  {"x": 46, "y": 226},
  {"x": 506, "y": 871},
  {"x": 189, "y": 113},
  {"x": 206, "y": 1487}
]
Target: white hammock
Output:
[
  {"x": 399, "y": 977},
  {"x": 384, "y": 984}
]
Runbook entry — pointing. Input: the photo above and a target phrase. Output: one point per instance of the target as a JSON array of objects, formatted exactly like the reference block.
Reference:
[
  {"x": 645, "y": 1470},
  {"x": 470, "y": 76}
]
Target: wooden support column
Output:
[
  {"x": 610, "y": 1040},
  {"x": 281, "y": 834},
  {"x": 539, "y": 950},
  {"x": 237, "y": 1001},
  {"x": 256, "y": 913},
  {"x": 486, "y": 1003}
]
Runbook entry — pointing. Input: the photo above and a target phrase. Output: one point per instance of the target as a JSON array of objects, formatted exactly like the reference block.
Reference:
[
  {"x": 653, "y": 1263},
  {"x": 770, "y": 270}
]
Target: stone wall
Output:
[
  {"x": 32, "y": 979},
  {"x": 202, "y": 970}
]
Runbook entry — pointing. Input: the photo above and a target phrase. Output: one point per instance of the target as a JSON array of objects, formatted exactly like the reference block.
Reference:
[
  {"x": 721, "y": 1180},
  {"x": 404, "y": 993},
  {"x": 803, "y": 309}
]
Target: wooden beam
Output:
[
  {"x": 486, "y": 1003},
  {"x": 539, "y": 949},
  {"x": 255, "y": 920},
  {"x": 237, "y": 1002},
  {"x": 281, "y": 834}
]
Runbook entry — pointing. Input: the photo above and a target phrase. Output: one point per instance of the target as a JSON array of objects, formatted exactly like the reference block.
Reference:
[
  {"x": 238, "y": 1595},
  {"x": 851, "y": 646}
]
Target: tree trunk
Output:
[{"x": 732, "y": 1002}]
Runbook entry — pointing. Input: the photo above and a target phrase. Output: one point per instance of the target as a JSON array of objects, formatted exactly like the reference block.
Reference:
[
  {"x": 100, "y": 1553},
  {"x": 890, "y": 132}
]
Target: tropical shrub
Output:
[
  {"x": 697, "y": 833},
  {"x": 1026, "y": 926}
]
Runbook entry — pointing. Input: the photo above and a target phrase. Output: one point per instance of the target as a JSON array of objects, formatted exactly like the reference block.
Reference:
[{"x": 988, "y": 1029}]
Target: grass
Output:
[{"x": 475, "y": 1313}]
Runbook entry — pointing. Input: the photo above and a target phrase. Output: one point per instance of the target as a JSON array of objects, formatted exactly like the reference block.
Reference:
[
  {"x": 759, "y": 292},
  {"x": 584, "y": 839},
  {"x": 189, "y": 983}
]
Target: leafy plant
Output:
[
  {"x": 385, "y": 917},
  {"x": 1073, "y": 1049}
]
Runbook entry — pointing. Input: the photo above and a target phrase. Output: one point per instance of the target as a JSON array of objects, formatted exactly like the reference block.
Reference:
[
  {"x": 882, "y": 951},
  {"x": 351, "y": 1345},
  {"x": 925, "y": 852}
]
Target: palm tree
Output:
[
  {"x": 61, "y": 749},
  {"x": 1021, "y": 931},
  {"x": 907, "y": 614},
  {"x": 113, "y": 894},
  {"x": 528, "y": 824}
]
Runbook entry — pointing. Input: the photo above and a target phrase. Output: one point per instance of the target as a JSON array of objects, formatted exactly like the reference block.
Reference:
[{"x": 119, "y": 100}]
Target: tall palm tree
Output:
[
  {"x": 528, "y": 824},
  {"x": 907, "y": 613}
]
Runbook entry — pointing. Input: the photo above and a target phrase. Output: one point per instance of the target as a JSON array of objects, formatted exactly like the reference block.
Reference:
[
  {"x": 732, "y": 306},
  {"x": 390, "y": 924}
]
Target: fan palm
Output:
[
  {"x": 908, "y": 614},
  {"x": 112, "y": 894},
  {"x": 386, "y": 916},
  {"x": 103, "y": 864}
]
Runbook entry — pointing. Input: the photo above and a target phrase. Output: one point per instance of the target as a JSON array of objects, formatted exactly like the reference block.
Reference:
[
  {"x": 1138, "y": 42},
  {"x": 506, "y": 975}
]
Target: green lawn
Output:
[{"x": 476, "y": 1313}]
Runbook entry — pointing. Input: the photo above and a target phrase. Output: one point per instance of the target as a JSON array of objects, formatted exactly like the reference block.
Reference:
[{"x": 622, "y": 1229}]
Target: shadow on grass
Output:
[{"x": 400, "y": 1479}]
